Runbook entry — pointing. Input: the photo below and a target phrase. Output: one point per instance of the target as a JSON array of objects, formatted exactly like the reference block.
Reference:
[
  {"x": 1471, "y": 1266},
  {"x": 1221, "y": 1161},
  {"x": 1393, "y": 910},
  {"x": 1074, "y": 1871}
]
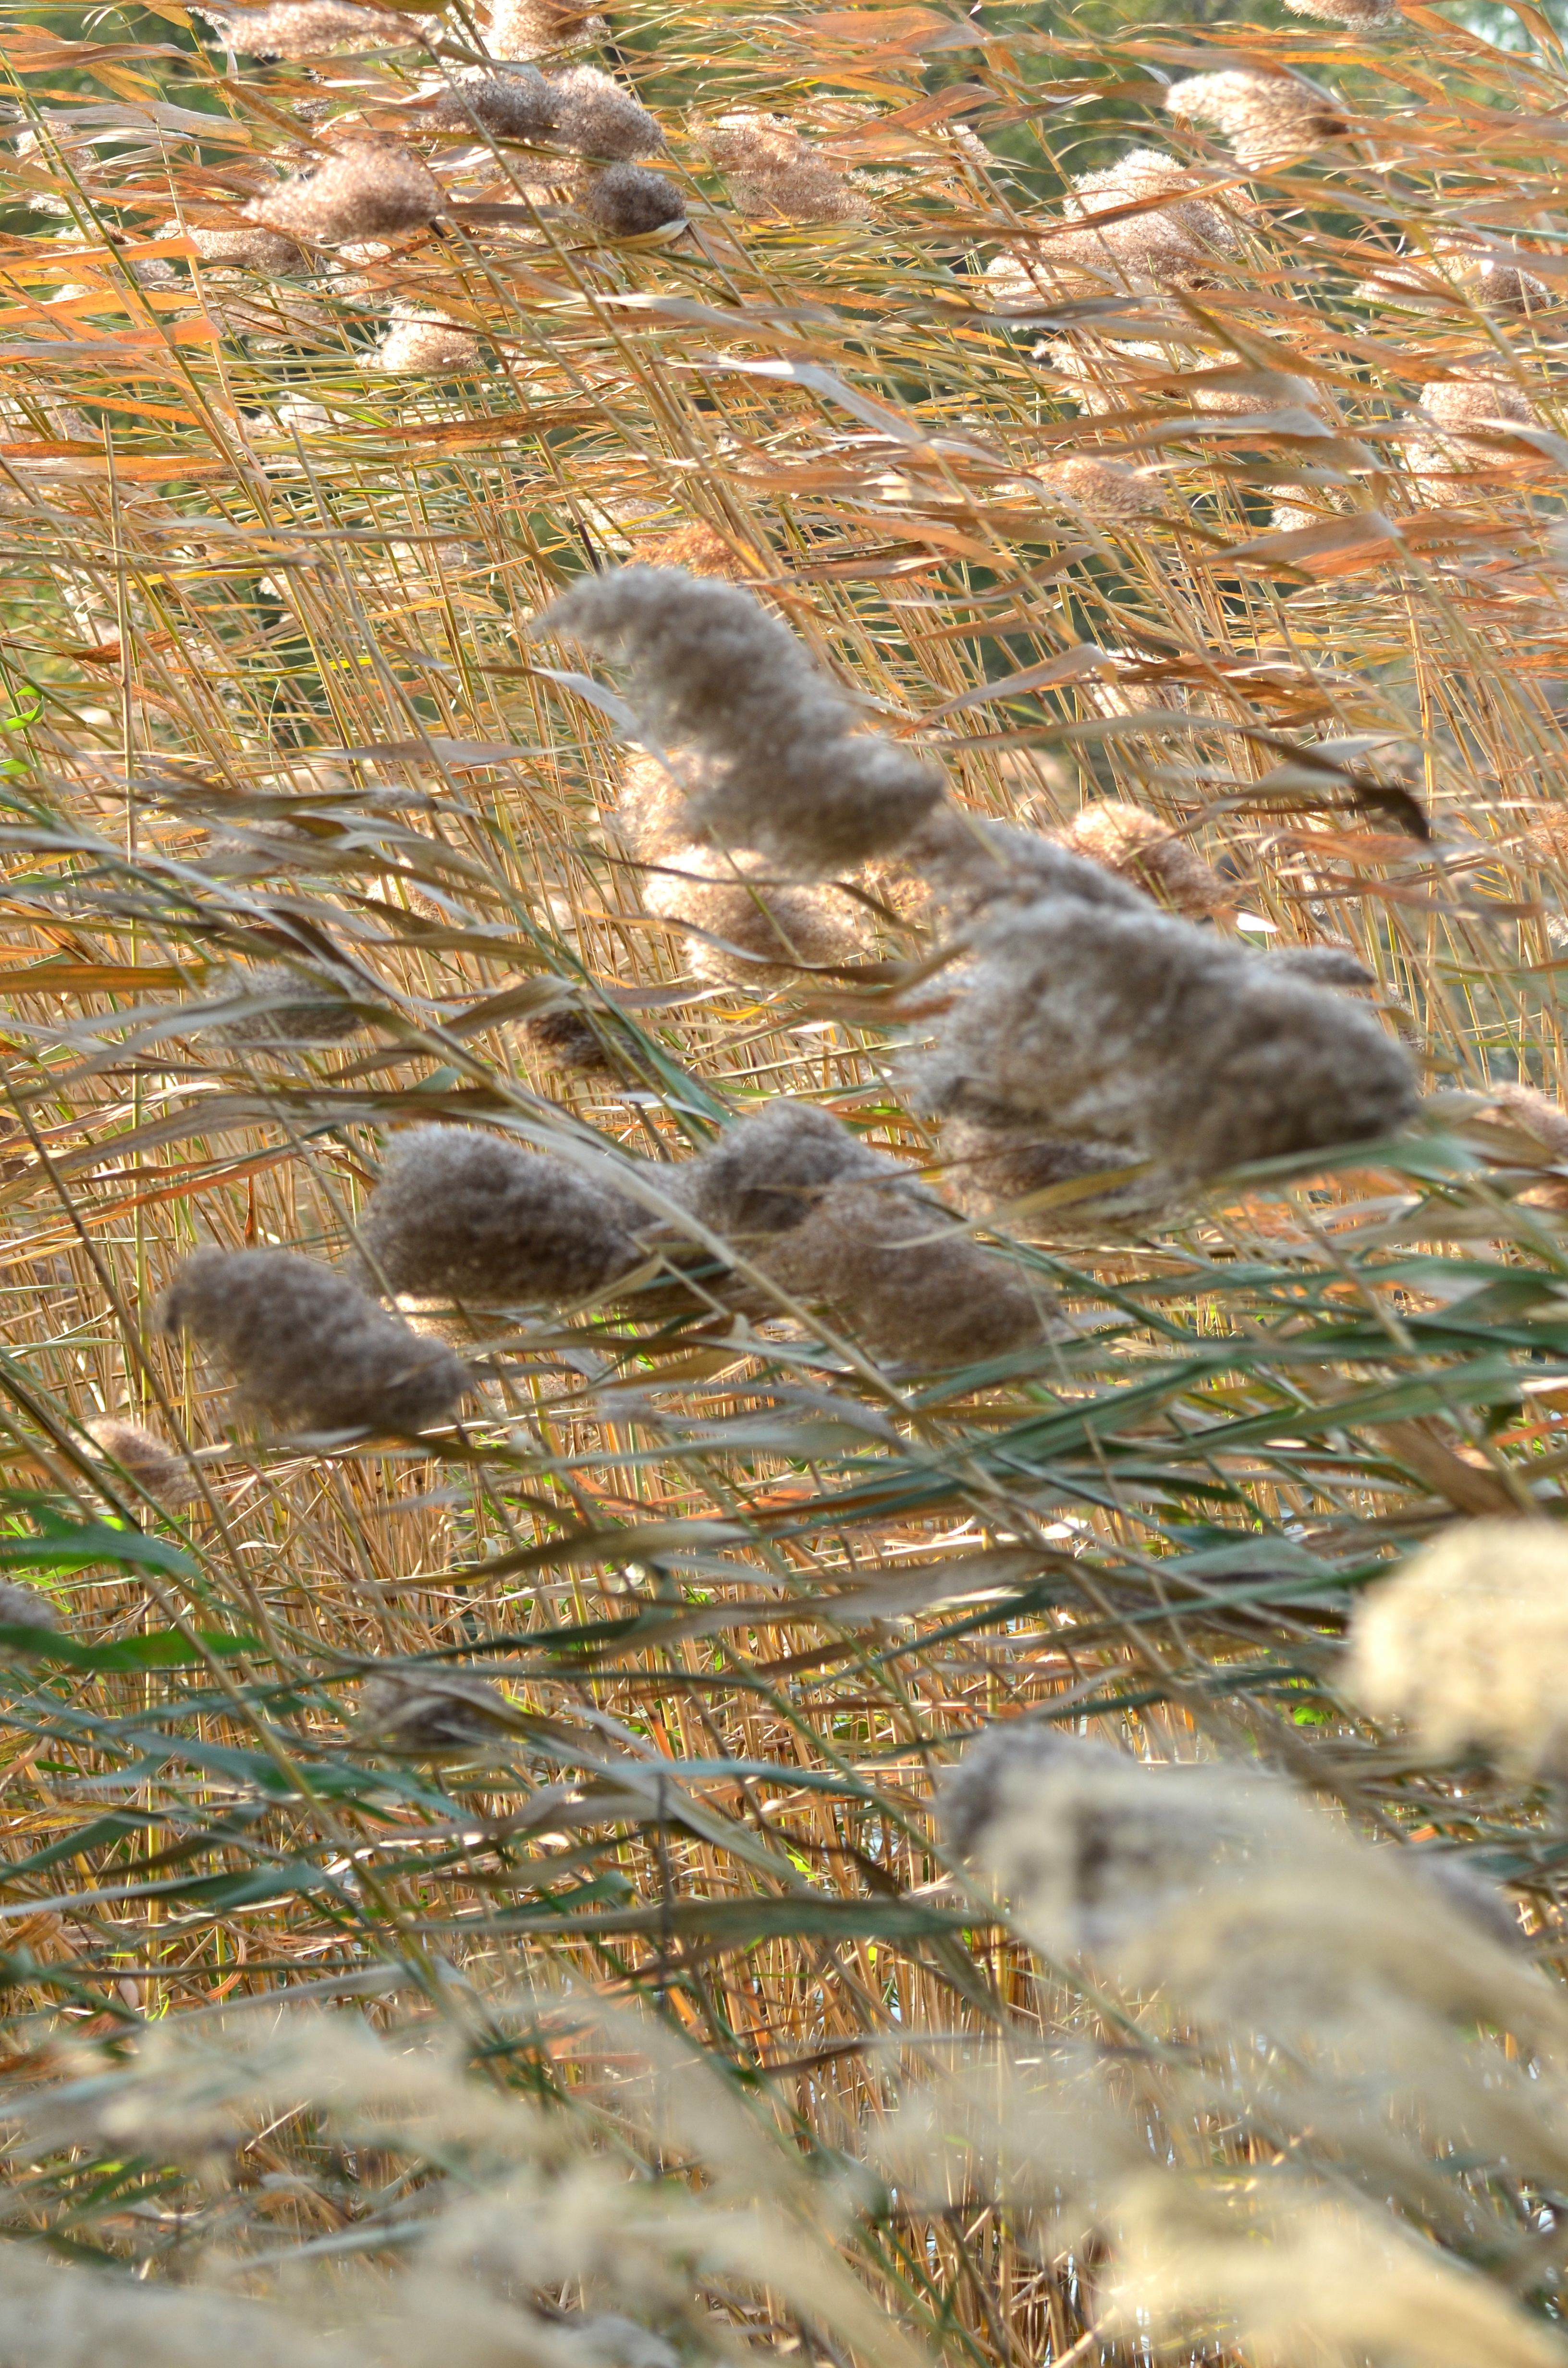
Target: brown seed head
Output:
[
  {"x": 517, "y": 105},
  {"x": 990, "y": 1170},
  {"x": 298, "y": 1012},
  {"x": 309, "y": 1349},
  {"x": 532, "y": 28},
  {"x": 311, "y": 28},
  {"x": 364, "y": 189},
  {"x": 430, "y": 1713},
  {"x": 472, "y": 1216},
  {"x": 594, "y": 117},
  {"x": 698, "y": 549},
  {"x": 426, "y": 344},
  {"x": 1101, "y": 489},
  {"x": 150, "y": 1461},
  {"x": 249, "y": 250},
  {"x": 788, "y": 777},
  {"x": 1132, "y": 1026},
  {"x": 1360, "y": 16},
  {"x": 775, "y": 174},
  {"x": 1267, "y": 119},
  {"x": 748, "y": 935},
  {"x": 1139, "y": 847},
  {"x": 628, "y": 202},
  {"x": 568, "y": 1040}
]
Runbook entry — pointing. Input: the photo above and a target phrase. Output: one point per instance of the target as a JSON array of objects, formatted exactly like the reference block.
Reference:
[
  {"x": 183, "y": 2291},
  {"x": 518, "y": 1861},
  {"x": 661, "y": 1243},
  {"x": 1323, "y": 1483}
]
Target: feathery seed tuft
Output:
[
  {"x": 310, "y": 29},
  {"x": 476, "y": 1217},
  {"x": 1140, "y": 848},
  {"x": 629, "y": 201},
  {"x": 786, "y": 775},
  {"x": 1269, "y": 119},
  {"x": 775, "y": 174},
  {"x": 428, "y": 345},
  {"x": 594, "y": 117},
  {"x": 26, "y": 1607},
  {"x": 520, "y": 105},
  {"x": 150, "y": 1461},
  {"x": 430, "y": 1713},
  {"x": 366, "y": 189},
  {"x": 309, "y": 1349}
]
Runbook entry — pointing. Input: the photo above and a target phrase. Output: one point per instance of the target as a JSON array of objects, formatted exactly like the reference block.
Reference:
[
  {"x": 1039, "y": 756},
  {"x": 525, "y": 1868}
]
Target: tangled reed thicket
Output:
[{"x": 785, "y": 1380}]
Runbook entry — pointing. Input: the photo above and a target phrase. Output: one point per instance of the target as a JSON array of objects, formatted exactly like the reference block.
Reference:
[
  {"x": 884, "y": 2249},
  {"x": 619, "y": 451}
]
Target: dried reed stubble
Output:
[
  {"x": 782, "y": 771},
  {"x": 308, "y": 1347}
]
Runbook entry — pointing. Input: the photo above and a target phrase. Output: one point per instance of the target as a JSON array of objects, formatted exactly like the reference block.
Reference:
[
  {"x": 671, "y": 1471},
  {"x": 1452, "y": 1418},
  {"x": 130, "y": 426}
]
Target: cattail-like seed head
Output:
[
  {"x": 532, "y": 28},
  {"x": 297, "y": 1013},
  {"x": 1467, "y": 1645},
  {"x": 1333, "y": 964},
  {"x": 989, "y": 1170},
  {"x": 151, "y": 1461},
  {"x": 264, "y": 251},
  {"x": 517, "y": 105},
  {"x": 1101, "y": 489},
  {"x": 748, "y": 935},
  {"x": 1269, "y": 119},
  {"x": 1140, "y": 848},
  {"x": 786, "y": 775},
  {"x": 1134, "y": 1027},
  {"x": 309, "y": 1349},
  {"x": 430, "y": 1712},
  {"x": 426, "y": 344},
  {"x": 568, "y": 1040},
  {"x": 775, "y": 174},
  {"x": 311, "y": 28},
  {"x": 1360, "y": 16},
  {"x": 366, "y": 189},
  {"x": 469, "y": 1215},
  {"x": 26, "y": 1607},
  {"x": 835, "y": 1222},
  {"x": 594, "y": 117},
  {"x": 628, "y": 202}
]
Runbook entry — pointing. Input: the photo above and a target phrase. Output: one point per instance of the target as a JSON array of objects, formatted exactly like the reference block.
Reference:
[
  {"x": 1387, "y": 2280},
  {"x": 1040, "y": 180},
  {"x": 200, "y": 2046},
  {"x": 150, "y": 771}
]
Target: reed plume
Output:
[
  {"x": 467, "y": 1215},
  {"x": 783, "y": 773},
  {"x": 1269, "y": 119},
  {"x": 366, "y": 189},
  {"x": 308, "y": 1347},
  {"x": 151, "y": 1462},
  {"x": 775, "y": 174}
]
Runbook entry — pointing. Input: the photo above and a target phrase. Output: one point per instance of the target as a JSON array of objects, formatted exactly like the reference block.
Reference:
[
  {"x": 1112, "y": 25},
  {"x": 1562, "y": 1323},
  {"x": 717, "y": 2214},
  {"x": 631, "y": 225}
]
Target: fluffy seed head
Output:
[
  {"x": 628, "y": 202},
  {"x": 787, "y": 776},
  {"x": 1361, "y": 16},
  {"x": 650, "y": 813},
  {"x": 426, "y": 344},
  {"x": 1139, "y": 847},
  {"x": 1267, "y": 119},
  {"x": 249, "y": 250},
  {"x": 26, "y": 1607},
  {"x": 467, "y": 1215},
  {"x": 150, "y": 1461},
  {"x": 990, "y": 1169},
  {"x": 532, "y": 28},
  {"x": 310, "y": 29},
  {"x": 1546, "y": 1121},
  {"x": 594, "y": 117},
  {"x": 1467, "y": 1644},
  {"x": 1101, "y": 489},
  {"x": 699, "y": 550},
  {"x": 1483, "y": 399},
  {"x": 430, "y": 1712},
  {"x": 765, "y": 931},
  {"x": 517, "y": 105},
  {"x": 775, "y": 174},
  {"x": 835, "y": 1222},
  {"x": 299, "y": 1014},
  {"x": 1134, "y": 1027},
  {"x": 366, "y": 189},
  {"x": 309, "y": 1349},
  {"x": 1329, "y": 965},
  {"x": 1091, "y": 1845},
  {"x": 568, "y": 1040},
  {"x": 1176, "y": 235},
  {"x": 967, "y": 862}
]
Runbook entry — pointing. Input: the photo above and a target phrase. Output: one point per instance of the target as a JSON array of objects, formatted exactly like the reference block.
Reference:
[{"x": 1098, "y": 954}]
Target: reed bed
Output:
[{"x": 785, "y": 863}]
